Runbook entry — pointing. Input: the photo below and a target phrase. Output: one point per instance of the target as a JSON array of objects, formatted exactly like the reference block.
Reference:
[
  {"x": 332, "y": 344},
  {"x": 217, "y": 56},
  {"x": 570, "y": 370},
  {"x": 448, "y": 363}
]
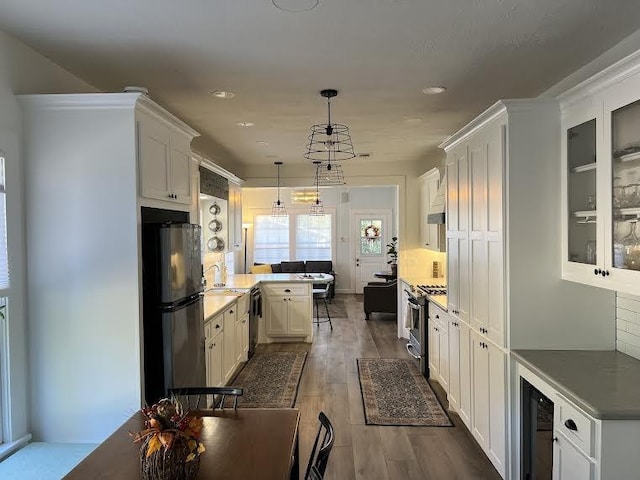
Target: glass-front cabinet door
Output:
[
  {"x": 624, "y": 188},
  {"x": 583, "y": 218}
]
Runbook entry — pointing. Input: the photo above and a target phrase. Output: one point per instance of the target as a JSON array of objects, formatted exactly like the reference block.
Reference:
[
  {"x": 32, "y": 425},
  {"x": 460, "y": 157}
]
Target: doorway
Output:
[{"x": 370, "y": 233}]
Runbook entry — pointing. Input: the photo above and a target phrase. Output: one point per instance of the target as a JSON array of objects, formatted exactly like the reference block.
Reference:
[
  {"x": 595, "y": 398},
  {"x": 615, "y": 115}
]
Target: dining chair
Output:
[
  {"x": 321, "y": 449},
  {"x": 322, "y": 293},
  {"x": 190, "y": 397}
]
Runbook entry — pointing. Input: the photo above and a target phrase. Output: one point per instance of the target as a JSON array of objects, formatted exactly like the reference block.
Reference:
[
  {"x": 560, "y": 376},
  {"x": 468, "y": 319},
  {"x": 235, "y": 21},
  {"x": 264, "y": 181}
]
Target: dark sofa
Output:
[
  {"x": 381, "y": 297},
  {"x": 310, "y": 266}
]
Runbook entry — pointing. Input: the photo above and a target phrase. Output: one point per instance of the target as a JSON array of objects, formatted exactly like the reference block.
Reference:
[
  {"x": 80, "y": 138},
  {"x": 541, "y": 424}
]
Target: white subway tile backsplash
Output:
[{"x": 628, "y": 324}]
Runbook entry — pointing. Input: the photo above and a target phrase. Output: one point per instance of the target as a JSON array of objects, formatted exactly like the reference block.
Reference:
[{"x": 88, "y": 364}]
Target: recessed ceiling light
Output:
[
  {"x": 262, "y": 142},
  {"x": 435, "y": 90},
  {"x": 412, "y": 120},
  {"x": 295, "y": 5},
  {"x": 245, "y": 124},
  {"x": 222, "y": 94}
]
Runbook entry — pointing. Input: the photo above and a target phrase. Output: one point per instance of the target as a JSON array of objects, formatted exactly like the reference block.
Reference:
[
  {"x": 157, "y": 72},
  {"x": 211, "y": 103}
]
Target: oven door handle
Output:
[
  {"x": 411, "y": 347},
  {"x": 414, "y": 306}
]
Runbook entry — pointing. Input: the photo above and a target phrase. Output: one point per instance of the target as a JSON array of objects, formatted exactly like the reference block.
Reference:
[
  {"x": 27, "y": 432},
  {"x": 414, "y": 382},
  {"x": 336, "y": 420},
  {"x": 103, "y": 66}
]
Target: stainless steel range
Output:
[{"x": 416, "y": 299}]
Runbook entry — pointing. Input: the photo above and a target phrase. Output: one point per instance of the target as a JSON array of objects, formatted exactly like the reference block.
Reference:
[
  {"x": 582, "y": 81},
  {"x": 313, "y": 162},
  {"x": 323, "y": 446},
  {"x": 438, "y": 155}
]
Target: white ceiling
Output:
[{"x": 379, "y": 54}]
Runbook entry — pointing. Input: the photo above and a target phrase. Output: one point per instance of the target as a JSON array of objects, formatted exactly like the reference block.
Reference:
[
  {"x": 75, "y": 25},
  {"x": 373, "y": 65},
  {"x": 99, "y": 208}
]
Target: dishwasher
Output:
[{"x": 255, "y": 312}]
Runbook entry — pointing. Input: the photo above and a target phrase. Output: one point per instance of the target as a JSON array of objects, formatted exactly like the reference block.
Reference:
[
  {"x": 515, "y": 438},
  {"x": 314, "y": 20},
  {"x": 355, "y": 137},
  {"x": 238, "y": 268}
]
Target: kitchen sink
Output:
[{"x": 238, "y": 292}]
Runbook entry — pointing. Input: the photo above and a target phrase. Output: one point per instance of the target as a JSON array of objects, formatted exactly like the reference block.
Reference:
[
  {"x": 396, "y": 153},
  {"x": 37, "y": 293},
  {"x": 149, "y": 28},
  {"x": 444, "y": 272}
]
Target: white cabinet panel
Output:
[
  {"x": 466, "y": 380},
  {"x": 454, "y": 365},
  {"x": 228, "y": 345},
  {"x": 480, "y": 391},
  {"x": 299, "y": 321},
  {"x": 277, "y": 312},
  {"x": 569, "y": 463},
  {"x": 288, "y": 309}
]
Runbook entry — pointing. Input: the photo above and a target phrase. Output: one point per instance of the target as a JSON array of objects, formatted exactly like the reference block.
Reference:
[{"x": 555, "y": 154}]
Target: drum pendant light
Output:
[
  {"x": 317, "y": 209},
  {"x": 329, "y": 142},
  {"x": 278, "y": 209}
]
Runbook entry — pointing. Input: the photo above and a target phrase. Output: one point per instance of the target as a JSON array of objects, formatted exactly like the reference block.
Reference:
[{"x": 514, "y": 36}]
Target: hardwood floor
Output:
[{"x": 330, "y": 384}]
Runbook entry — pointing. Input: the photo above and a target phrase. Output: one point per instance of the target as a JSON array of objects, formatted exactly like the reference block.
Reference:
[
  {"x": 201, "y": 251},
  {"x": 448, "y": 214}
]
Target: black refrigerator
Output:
[{"x": 173, "y": 318}]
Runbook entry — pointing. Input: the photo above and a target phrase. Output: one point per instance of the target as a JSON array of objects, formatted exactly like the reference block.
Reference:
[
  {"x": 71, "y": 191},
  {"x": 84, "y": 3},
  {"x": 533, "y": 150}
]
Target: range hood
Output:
[{"x": 437, "y": 207}]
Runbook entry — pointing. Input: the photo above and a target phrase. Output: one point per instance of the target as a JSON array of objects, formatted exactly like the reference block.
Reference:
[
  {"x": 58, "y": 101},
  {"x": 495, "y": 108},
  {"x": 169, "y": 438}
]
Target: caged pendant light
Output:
[
  {"x": 278, "y": 209},
  {"x": 329, "y": 174},
  {"x": 317, "y": 209},
  {"x": 329, "y": 142}
]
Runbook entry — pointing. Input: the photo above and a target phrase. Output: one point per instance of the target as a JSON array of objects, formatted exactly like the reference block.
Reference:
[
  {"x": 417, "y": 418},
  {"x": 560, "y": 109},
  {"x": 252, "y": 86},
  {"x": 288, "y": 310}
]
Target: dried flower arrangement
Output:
[{"x": 170, "y": 442}]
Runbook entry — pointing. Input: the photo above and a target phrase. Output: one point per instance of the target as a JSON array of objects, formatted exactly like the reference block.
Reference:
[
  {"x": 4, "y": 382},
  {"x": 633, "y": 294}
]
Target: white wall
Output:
[
  {"x": 83, "y": 278},
  {"x": 357, "y": 198},
  {"x": 22, "y": 70}
]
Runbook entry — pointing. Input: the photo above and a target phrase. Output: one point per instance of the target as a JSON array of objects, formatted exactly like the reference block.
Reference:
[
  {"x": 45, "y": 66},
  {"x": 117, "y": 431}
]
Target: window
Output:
[{"x": 298, "y": 236}]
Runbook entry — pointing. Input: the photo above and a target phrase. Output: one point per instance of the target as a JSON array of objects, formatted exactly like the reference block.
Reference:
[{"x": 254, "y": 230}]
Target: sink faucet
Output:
[{"x": 204, "y": 275}]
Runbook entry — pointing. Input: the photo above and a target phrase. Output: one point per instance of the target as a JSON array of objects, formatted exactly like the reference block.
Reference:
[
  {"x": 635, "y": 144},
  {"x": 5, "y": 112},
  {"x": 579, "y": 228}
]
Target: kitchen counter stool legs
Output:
[{"x": 322, "y": 294}]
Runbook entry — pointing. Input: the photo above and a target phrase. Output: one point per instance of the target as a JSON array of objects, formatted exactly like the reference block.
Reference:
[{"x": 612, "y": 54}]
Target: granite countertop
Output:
[
  {"x": 247, "y": 280},
  {"x": 604, "y": 383}
]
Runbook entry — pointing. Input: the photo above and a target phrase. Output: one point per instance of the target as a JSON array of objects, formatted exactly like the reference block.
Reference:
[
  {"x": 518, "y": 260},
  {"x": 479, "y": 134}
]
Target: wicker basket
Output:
[{"x": 168, "y": 464}]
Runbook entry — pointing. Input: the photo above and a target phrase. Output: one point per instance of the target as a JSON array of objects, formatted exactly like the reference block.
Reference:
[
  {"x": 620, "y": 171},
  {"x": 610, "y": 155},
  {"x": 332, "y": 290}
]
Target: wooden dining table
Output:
[{"x": 250, "y": 443}]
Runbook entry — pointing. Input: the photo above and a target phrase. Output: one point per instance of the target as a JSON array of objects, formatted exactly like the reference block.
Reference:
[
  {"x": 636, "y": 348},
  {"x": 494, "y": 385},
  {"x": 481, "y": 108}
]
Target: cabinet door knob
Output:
[
  {"x": 230, "y": 311},
  {"x": 571, "y": 425},
  {"x": 437, "y": 316},
  {"x": 287, "y": 290},
  {"x": 606, "y": 272},
  {"x": 217, "y": 326},
  {"x": 596, "y": 271},
  {"x": 555, "y": 439}
]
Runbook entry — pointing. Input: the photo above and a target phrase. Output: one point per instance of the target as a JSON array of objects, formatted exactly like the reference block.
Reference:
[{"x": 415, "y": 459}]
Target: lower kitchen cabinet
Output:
[
  {"x": 213, "y": 351},
  {"x": 488, "y": 419},
  {"x": 439, "y": 345},
  {"x": 288, "y": 310},
  {"x": 228, "y": 344},
  {"x": 569, "y": 462},
  {"x": 459, "y": 395}
]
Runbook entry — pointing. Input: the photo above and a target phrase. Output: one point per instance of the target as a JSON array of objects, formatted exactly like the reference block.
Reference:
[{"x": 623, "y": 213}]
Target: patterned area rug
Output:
[
  {"x": 270, "y": 380},
  {"x": 336, "y": 308},
  {"x": 395, "y": 393}
]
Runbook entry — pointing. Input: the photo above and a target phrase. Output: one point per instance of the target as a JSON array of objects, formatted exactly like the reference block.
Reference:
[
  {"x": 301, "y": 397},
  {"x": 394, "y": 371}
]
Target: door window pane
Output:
[{"x": 371, "y": 237}]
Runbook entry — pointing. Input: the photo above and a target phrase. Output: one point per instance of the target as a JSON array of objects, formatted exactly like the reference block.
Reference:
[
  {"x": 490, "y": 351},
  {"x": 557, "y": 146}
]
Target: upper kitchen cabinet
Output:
[
  {"x": 164, "y": 159},
  {"x": 432, "y": 235},
  {"x": 601, "y": 183}
]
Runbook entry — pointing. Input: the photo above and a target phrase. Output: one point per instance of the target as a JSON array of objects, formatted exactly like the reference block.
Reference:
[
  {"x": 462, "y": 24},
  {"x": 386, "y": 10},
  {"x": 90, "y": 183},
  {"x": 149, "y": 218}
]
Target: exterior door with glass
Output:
[{"x": 371, "y": 233}]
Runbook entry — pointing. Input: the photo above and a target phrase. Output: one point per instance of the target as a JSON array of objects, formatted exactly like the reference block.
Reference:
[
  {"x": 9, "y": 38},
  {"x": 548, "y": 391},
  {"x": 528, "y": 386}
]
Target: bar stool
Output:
[{"x": 322, "y": 294}]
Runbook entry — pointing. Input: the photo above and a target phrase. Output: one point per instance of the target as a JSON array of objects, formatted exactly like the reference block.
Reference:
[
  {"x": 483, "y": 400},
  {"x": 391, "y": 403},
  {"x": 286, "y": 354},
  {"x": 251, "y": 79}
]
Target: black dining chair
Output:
[
  {"x": 321, "y": 449},
  {"x": 190, "y": 397},
  {"x": 322, "y": 293}
]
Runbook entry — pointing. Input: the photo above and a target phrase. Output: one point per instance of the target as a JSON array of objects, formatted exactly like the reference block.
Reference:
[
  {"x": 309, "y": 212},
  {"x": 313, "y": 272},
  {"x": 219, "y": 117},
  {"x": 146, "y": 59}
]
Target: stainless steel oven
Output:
[{"x": 417, "y": 347}]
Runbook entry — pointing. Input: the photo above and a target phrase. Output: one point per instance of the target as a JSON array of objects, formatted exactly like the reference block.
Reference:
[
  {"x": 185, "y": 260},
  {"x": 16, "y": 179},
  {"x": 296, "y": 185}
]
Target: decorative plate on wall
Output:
[
  {"x": 214, "y": 209},
  {"x": 215, "y": 225},
  {"x": 215, "y": 244}
]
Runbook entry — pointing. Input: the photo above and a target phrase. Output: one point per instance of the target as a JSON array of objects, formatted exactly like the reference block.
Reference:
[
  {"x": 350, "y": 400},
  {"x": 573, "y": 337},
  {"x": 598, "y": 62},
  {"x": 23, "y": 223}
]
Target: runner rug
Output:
[
  {"x": 270, "y": 380},
  {"x": 395, "y": 393}
]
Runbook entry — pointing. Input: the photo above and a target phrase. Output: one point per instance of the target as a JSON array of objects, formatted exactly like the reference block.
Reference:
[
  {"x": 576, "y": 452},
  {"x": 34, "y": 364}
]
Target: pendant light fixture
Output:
[
  {"x": 329, "y": 142},
  {"x": 317, "y": 209},
  {"x": 329, "y": 174},
  {"x": 278, "y": 209}
]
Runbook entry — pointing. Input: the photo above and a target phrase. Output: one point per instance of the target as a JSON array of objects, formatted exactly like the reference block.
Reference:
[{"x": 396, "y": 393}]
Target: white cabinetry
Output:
[
  {"x": 503, "y": 256},
  {"x": 431, "y": 235},
  {"x": 601, "y": 191},
  {"x": 164, "y": 161},
  {"x": 213, "y": 353},
  {"x": 584, "y": 448},
  {"x": 459, "y": 395},
  {"x": 229, "y": 343},
  {"x": 439, "y": 345},
  {"x": 288, "y": 309}
]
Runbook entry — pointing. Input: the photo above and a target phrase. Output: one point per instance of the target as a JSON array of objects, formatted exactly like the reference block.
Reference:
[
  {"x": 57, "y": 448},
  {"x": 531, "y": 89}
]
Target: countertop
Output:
[
  {"x": 216, "y": 300},
  {"x": 215, "y": 303},
  {"x": 604, "y": 383}
]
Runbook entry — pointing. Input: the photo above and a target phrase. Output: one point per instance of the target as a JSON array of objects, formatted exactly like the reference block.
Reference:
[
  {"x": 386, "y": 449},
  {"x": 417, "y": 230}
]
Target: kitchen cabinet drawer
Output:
[
  {"x": 575, "y": 425},
  {"x": 214, "y": 326},
  {"x": 286, "y": 289},
  {"x": 438, "y": 316}
]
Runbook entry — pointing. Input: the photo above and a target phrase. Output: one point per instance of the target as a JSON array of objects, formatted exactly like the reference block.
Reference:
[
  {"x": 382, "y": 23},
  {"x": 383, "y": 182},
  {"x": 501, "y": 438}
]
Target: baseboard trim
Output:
[{"x": 7, "y": 449}]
